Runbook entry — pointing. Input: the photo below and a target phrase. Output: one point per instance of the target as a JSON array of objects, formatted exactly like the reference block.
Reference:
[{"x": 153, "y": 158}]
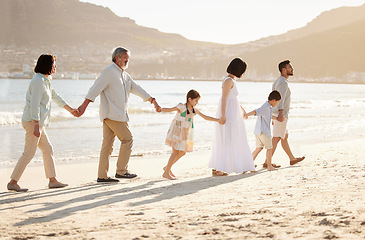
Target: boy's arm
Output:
[
  {"x": 252, "y": 113},
  {"x": 208, "y": 118}
]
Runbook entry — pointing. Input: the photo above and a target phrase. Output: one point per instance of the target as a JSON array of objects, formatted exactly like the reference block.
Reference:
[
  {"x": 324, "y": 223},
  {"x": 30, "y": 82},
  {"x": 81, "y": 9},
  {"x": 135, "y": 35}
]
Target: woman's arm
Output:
[
  {"x": 208, "y": 118},
  {"x": 227, "y": 85}
]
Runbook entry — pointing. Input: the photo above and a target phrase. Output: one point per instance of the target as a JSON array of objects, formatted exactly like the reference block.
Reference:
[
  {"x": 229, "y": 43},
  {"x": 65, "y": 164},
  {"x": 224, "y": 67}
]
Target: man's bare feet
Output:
[
  {"x": 274, "y": 165},
  {"x": 296, "y": 160},
  {"x": 166, "y": 175},
  {"x": 171, "y": 174}
]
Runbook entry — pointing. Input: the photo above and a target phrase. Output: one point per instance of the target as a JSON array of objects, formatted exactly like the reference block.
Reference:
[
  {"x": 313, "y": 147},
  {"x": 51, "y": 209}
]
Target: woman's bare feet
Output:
[{"x": 216, "y": 173}]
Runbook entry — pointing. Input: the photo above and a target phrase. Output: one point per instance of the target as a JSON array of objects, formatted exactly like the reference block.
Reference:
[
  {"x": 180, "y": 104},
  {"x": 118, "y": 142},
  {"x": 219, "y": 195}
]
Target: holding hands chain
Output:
[{"x": 154, "y": 102}]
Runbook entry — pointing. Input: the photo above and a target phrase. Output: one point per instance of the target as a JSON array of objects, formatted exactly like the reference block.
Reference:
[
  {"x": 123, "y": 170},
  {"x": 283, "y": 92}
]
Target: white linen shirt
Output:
[
  {"x": 114, "y": 86},
  {"x": 281, "y": 85},
  {"x": 38, "y": 100},
  {"x": 263, "y": 121}
]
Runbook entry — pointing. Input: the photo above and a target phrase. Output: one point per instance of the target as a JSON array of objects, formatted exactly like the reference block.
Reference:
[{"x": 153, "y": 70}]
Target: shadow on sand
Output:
[{"x": 108, "y": 197}]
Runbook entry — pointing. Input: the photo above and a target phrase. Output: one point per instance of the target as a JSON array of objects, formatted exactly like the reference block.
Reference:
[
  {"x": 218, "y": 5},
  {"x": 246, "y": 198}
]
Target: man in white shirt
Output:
[
  {"x": 280, "y": 132},
  {"x": 114, "y": 86}
]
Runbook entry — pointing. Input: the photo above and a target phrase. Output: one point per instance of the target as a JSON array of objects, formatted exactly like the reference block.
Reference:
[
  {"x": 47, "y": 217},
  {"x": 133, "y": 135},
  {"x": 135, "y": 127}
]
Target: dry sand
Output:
[{"x": 321, "y": 198}]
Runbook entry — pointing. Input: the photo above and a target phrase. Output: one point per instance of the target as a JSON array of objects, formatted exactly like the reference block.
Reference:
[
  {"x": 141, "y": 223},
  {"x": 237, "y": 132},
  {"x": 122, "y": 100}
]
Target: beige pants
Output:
[
  {"x": 111, "y": 129},
  {"x": 263, "y": 140},
  {"x": 30, "y": 147}
]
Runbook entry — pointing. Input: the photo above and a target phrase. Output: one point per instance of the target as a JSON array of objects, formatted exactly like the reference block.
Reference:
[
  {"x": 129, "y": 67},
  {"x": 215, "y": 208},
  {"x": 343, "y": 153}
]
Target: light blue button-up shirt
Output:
[
  {"x": 38, "y": 100},
  {"x": 264, "y": 114}
]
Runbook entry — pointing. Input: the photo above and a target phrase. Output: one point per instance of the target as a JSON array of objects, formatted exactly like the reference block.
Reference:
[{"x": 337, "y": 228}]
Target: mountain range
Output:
[{"x": 82, "y": 36}]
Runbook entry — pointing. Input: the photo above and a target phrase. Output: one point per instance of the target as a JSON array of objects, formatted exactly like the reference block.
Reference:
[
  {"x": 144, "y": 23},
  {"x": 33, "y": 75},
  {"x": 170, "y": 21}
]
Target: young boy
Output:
[{"x": 262, "y": 127}]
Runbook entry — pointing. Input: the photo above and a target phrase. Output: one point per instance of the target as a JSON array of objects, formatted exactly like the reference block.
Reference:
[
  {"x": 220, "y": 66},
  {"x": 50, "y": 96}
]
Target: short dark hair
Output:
[
  {"x": 283, "y": 65},
  {"x": 274, "y": 95},
  {"x": 237, "y": 67},
  {"x": 44, "y": 64},
  {"x": 191, "y": 94}
]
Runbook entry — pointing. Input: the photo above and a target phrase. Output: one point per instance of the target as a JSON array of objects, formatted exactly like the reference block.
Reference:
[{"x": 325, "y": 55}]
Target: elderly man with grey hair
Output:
[{"x": 114, "y": 86}]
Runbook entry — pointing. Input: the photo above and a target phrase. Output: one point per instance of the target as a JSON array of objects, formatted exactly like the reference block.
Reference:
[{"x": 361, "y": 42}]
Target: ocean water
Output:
[{"x": 319, "y": 112}]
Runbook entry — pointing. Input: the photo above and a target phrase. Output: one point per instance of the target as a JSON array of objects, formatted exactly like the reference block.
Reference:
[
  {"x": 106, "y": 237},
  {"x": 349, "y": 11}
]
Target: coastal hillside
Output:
[
  {"x": 327, "y": 20},
  {"x": 82, "y": 35},
  {"x": 65, "y": 22},
  {"x": 335, "y": 53}
]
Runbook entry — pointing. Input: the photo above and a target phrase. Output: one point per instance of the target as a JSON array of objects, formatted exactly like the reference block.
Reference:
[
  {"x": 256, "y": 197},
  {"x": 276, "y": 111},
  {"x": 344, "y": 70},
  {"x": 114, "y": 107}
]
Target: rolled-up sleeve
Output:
[
  {"x": 139, "y": 91},
  {"x": 99, "y": 85},
  {"x": 282, "y": 89},
  {"x": 36, "y": 93}
]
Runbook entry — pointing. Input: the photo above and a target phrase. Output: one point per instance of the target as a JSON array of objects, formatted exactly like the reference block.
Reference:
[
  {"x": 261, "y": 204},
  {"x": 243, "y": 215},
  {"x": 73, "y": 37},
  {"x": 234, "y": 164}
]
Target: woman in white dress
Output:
[{"x": 230, "y": 150}]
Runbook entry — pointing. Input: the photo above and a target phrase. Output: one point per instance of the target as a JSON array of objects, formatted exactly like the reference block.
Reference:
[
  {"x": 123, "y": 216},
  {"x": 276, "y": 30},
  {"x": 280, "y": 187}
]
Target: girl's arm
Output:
[
  {"x": 227, "y": 85},
  {"x": 169, "y": 109},
  {"x": 208, "y": 118}
]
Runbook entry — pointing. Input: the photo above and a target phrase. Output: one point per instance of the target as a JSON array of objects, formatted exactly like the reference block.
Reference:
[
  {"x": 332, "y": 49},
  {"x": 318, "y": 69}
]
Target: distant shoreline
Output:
[{"x": 208, "y": 80}]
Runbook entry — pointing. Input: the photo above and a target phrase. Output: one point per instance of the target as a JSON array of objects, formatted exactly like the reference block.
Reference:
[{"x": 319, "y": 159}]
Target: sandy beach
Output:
[{"x": 320, "y": 198}]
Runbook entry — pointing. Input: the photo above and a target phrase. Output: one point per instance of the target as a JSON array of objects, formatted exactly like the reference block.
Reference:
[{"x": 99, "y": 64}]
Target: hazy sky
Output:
[{"x": 223, "y": 21}]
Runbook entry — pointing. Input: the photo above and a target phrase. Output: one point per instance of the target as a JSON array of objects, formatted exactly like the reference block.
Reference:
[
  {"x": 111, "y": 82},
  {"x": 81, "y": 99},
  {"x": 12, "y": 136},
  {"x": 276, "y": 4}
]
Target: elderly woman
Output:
[{"x": 35, "y": 117}]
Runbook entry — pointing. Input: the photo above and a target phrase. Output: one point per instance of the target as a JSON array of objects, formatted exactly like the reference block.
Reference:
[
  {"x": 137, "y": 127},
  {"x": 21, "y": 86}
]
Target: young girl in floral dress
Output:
[{"x": 181, "y": 131}]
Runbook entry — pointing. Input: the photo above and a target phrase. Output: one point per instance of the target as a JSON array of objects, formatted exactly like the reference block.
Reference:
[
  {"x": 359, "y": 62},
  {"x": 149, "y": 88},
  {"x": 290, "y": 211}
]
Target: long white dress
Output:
[{"x": 230, "y": 149}]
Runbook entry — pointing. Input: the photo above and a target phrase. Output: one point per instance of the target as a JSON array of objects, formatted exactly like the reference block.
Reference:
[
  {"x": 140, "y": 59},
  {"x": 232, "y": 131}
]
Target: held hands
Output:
[
  {"x": 154, "y": 102},
  {"x": 245, "y": 115},
  {"x": 81, "y": 109},
  {"x": 222, "y": 120},
  {"x": 280, "y": 117},
  {"x": 157, "y": 107},
  {"x": 83, "y": 106},
  {"x": 73, "y": 111}
]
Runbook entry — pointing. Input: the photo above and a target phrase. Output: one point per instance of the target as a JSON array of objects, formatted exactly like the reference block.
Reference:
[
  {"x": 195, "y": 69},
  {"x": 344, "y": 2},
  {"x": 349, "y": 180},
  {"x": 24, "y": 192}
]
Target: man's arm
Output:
[
  {"x": 140, "y": 92},
  {"x": 99, "y": 85},
  {"x": 282, "y": 89},
  {"x": 83, "y": 106}
]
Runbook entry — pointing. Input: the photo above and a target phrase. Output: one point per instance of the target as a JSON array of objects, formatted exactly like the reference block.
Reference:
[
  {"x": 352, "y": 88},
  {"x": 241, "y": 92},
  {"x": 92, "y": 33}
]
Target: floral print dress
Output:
[{"x": 180, "y": 134}]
